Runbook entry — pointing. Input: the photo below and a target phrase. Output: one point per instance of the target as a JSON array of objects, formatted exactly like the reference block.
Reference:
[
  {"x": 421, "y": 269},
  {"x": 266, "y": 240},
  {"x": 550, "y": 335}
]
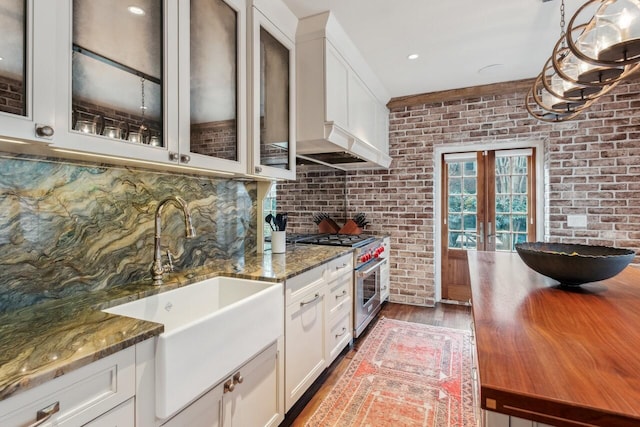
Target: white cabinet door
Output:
[
  {"x": 362, "y": 110},
  {"x": 26, "y": 73},
  {"x": 212, "y": 86},
  {"x": 122, "y": 415},
  {"x": 204, "y": 412},
  {"x": 256, "y": 400},
  {"x": 337, "y": 78},
  {"x": 116, "y": 85},
  {"x": 273, "y": 90},
  {"x": 304, "y": 343}
]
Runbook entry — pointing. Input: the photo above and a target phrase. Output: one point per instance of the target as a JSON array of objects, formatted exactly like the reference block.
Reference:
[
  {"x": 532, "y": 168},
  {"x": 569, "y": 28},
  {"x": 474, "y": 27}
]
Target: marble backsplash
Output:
[{"x": 68, "y": 227}]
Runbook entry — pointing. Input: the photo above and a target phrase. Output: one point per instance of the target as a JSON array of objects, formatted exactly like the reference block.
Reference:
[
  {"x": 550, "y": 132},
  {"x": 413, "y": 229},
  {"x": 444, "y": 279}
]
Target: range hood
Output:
[
  {"x": 341, "y": 116},
  {"x": 341, "y": 150}
]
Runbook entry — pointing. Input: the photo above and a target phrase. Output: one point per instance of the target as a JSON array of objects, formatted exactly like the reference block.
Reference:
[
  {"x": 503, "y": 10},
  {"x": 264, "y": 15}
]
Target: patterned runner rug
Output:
[{"x": 404, "y": 374}]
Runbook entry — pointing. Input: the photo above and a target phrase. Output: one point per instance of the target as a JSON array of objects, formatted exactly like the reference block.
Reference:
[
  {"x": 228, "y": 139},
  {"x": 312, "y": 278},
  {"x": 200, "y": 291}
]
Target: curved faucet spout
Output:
[{"x": 157, "y": 268}]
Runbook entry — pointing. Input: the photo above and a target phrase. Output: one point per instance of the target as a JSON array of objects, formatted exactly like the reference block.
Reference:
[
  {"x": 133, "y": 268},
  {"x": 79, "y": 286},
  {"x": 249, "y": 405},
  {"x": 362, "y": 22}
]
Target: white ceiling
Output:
[{"x": 455, "y": 39}]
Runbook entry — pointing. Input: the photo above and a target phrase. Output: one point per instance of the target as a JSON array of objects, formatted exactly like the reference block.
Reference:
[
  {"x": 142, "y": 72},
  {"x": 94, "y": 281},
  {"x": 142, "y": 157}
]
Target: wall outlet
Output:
[{"x": 577, "y": 221}]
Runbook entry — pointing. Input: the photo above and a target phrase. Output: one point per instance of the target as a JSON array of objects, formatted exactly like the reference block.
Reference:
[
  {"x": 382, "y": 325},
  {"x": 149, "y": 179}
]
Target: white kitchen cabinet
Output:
[
  {"x": 305, "y": 299},
  {"x": 249, "y": 397},
  {"x": 26, "y": 93},
  {"x": 339, "y": 315},
  {"x": 318, "y": 322},
  {"x": 101, "y": 89},
  {"x": 116, "y": 85},
  {"x": 273, "y": 90},
  {"x": 80, "y": 396},
  {"x": 212, "y": 84}
]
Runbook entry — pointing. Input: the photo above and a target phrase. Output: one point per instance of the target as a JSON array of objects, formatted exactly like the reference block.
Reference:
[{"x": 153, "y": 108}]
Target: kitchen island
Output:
[
  {"x": 565, "y": 357},
  {"x": 42, "y": 342}
]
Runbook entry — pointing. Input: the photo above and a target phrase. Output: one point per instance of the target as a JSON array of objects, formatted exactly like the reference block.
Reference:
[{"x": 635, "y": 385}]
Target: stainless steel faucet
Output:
[{"x": 157, "y": 268}]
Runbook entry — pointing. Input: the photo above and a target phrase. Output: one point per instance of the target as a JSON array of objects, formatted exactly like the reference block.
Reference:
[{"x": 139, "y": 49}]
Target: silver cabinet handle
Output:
[
  {"x": 229, "y": 386},
  {"x": 344, "y": 293},
  {"x": 185, "y": 158},
  {"x": 173, "y": 156},
  {"x": 315, "y": 297},
  {"x": 238, "y": 378},
  {"x": 44, "y": 131},
  {"x": 344, "y": 331},
  {"x": 45, "y": 414},
  {"x": 343, "y": 266},
  {"x": 258, "y": 169}
]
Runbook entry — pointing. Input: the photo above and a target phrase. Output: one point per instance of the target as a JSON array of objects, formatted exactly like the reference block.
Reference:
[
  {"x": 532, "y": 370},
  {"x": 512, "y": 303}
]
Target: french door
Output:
[{"x": 488, "y": 204}]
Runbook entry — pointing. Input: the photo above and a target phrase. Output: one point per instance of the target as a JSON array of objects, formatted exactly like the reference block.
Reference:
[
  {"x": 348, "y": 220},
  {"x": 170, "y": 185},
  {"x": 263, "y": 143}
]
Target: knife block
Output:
[
  {"x": 327, "y": 227},
  {"x": 350, "y": 227}
]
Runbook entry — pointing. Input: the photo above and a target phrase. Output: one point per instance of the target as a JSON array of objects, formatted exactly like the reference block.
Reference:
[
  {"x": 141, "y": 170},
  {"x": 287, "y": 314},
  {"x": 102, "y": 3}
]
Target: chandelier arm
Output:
[{"x": 549, "y": 117}]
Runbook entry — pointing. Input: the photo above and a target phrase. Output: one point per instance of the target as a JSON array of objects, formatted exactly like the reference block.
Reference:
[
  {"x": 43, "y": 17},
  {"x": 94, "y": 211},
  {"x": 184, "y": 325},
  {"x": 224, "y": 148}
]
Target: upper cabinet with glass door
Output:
[
  {"x": 111, "y": 78},
  {"x": 26, "y": 54},
  {"x": 212, "y": 87},
  {"x": 273, "y": 90}
]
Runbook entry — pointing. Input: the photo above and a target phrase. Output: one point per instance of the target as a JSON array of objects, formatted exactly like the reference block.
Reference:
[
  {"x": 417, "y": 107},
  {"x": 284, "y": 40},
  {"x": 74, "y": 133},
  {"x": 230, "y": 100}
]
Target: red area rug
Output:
[{"x": 404, "y": 374}]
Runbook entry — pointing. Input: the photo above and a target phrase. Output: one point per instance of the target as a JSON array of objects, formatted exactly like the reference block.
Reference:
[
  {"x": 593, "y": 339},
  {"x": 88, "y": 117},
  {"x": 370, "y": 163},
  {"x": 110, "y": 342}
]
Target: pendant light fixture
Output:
[{"x": 589, "y": 60}]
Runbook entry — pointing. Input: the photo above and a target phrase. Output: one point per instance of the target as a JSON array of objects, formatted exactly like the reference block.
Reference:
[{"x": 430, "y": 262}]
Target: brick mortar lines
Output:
[{"x": 592, "y": 167}]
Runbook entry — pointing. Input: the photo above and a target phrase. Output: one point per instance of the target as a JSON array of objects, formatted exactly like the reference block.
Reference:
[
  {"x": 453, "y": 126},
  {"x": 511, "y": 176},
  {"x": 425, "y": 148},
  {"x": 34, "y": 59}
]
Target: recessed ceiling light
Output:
[
  {"x": 413, "y": 56},
  {"x": 136, "y": 10},
  {"x": 1, "y": 58}
]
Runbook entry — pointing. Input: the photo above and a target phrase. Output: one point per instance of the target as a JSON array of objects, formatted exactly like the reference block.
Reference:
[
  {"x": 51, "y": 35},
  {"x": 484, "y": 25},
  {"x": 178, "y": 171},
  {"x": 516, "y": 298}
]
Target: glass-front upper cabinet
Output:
[
  {"x": 23, "y": 40},
  {"x": 112, "y": 73},
  {"x": 273, "y": 90},
  {"x": 213, "y": 75}
]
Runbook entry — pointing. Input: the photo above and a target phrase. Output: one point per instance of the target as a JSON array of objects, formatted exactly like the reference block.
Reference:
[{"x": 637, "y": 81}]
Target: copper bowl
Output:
[{"x": 572, "y": 264}]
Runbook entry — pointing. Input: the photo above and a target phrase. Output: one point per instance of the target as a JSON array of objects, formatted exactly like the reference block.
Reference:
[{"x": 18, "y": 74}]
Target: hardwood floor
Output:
[{"x": 449, "y": 316}]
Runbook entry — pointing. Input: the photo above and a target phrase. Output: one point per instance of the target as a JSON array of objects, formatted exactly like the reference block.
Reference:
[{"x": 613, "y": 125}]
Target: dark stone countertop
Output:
[{"x": 47, "y": 340}]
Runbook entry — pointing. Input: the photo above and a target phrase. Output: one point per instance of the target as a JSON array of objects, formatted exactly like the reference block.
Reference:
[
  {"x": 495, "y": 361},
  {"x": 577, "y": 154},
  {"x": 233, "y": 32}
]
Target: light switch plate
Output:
[{"x": 577, "y": 221}]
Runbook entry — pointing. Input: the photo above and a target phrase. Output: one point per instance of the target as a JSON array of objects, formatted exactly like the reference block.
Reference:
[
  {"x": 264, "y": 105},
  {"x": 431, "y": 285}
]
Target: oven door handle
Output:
[{"x": 368, "y": 271}]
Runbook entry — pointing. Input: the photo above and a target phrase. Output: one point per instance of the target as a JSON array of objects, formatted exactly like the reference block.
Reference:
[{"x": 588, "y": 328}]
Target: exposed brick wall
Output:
[
  {"x": 215, "y": 138},
  {"x": 316, "y": 189},
  {"x": 11, "y": 96},
  {"x": 592, "y": 167}
]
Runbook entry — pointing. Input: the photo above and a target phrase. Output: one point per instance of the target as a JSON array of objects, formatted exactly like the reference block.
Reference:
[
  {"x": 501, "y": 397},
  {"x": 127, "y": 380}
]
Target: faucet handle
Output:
[{"x": 169, "y": 266}]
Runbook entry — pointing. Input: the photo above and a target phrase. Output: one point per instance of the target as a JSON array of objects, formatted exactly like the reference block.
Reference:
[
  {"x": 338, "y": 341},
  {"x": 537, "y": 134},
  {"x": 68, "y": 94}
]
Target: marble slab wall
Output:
[{"x": 69, "y": 227}]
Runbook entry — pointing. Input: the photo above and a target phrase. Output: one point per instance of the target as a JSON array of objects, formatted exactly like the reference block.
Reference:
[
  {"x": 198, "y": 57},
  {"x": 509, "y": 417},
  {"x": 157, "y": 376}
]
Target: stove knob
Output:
[{"x": 363, "y": 258}]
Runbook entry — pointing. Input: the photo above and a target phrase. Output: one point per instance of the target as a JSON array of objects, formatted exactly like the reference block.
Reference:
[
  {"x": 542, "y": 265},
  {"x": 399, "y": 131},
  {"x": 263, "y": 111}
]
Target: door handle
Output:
[{"x": 481, "y": 233}]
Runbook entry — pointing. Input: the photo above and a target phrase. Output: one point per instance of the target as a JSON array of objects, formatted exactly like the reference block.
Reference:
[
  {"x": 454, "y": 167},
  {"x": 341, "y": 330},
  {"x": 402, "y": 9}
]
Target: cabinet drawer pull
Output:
[
  {"x": 339, "y": 267},
  {"x": 238, "y": 378},
  {"x": 229, "y": 386},
  {"x": 344, "y": 331},
  {"x": 45, "y": 414},
  {"x": 344, "y": 293},
  {"x": 315, "y": 297}
]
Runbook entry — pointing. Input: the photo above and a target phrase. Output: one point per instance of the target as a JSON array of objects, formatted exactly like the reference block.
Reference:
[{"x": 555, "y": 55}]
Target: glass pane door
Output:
[
  {"x": 13, "y": 30},
  {"x": 488, "y": 204}
]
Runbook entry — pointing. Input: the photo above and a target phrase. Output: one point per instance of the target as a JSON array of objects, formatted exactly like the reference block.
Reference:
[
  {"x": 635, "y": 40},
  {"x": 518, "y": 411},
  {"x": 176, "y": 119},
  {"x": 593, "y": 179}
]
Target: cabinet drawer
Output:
[
  {"x": 339, "y": 267},
  {"x": 122, "y": 415},
  {"x": 339, "y": 297},
  {"x": 339, "y": 334},
  {"x": 297, "y": 287},
  {"x": 82, "y": 395}
]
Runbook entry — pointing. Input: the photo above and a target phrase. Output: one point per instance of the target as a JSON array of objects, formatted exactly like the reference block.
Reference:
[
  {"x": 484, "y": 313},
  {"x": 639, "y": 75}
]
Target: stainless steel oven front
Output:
[{"x": 367, "y": 299}]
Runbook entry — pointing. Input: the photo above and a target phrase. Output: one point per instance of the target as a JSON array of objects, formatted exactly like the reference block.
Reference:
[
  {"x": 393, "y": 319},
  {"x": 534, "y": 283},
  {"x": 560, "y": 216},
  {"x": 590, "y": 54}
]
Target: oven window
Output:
[{"x": 369, "y": 287}]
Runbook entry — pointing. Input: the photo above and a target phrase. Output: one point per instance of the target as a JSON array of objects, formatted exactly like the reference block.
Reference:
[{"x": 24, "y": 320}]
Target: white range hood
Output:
[{"x": 342, "y": 118}]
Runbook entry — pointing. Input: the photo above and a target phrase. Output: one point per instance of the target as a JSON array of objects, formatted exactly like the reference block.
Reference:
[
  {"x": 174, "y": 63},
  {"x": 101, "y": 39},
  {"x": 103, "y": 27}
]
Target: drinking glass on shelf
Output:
[
  {"x": 85, "y": 126},
  {"x": 112, "y": 132}
]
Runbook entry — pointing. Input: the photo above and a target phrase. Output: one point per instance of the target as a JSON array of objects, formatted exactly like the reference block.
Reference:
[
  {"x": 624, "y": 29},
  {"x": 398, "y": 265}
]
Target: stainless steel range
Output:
[{"x": 367, "y": 262}]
